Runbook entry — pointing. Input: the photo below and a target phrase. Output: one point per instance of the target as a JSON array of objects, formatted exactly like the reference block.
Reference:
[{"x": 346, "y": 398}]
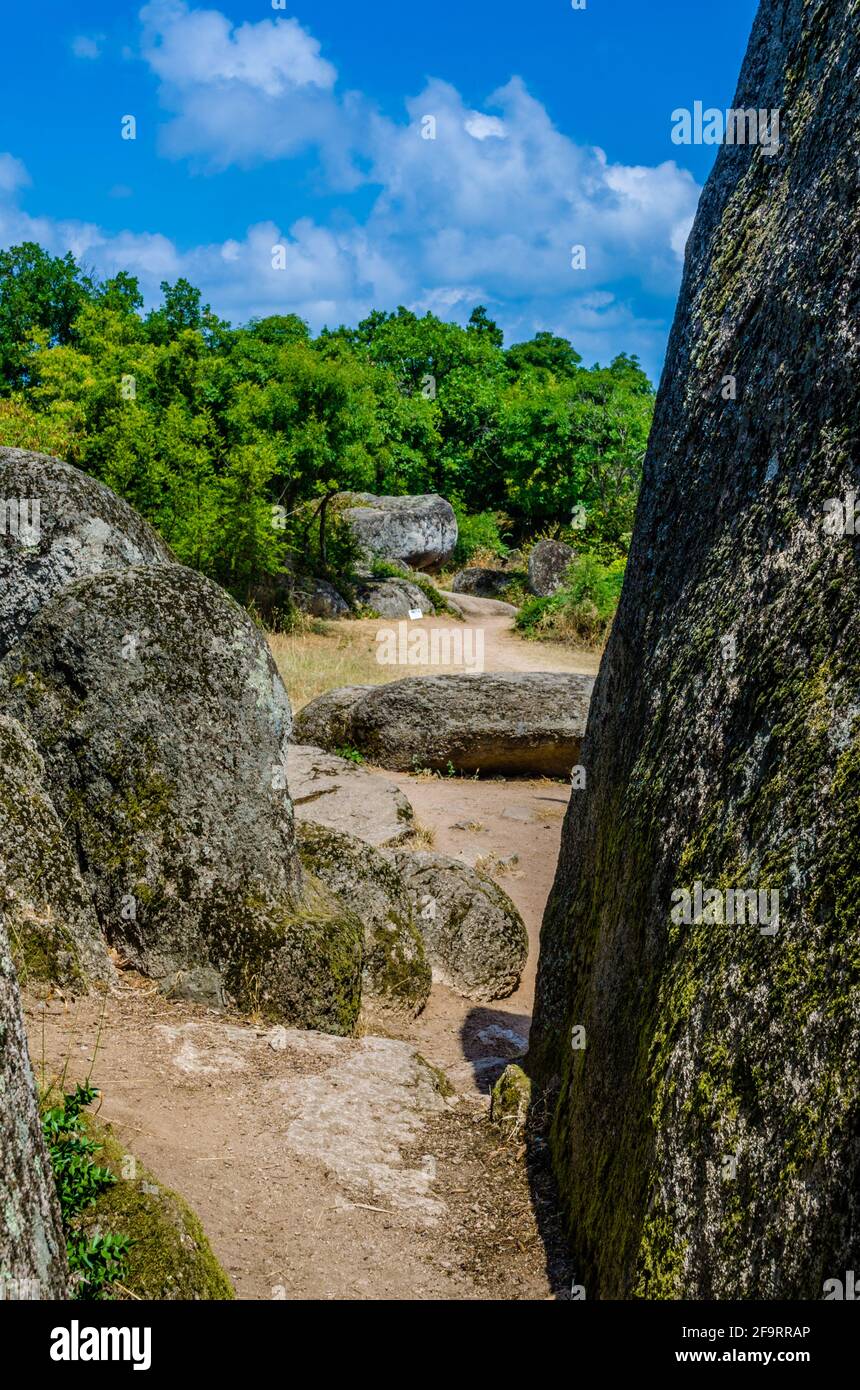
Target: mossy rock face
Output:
[
  {"x": 706, "y": 1131},
  {"x": 53, "y": 929},
  {"x": 163, "y": 725},
  {"x": 397, "y": 975},
  {"x": 64, "y": 525},
  {"x": 476, "y": 940},
  {"x": 170, "y": 1256},
  {"x": 510, "y": 1101}
]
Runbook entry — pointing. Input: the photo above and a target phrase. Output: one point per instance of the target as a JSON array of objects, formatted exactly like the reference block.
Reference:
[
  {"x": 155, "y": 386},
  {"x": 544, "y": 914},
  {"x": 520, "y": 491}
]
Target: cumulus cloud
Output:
[
  {"x": 244, "y": 94},
  {"x": 486, "y": 210}
]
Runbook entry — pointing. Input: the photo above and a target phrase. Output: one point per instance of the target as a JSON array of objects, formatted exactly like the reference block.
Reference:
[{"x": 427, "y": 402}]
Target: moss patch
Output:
[{"x": 170, "y": 1257}]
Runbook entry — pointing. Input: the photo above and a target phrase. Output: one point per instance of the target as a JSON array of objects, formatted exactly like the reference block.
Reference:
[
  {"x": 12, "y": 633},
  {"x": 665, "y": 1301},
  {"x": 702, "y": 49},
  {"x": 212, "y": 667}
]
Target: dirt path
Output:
[{"x": 330, "y": 1168}]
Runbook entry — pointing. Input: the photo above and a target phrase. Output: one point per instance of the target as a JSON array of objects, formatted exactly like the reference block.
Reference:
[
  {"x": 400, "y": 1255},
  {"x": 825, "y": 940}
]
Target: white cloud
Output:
[
  {"x": 88, "y": 47},
  {"x": 482, "y": 127},
  {"x": 13, "y": 174},
  {"x": 486, "y": 212},
  {"x": 243, "y": 94}
]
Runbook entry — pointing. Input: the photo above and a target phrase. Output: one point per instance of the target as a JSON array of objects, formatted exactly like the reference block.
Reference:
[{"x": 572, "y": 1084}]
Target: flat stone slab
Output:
[
  {"x": 528, "y": 724},
  {"x": 336, "y": 793}
]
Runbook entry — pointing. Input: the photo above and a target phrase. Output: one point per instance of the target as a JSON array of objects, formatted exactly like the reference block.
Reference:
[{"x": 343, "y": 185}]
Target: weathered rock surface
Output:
[
  {"x": 80, "y": 528},
  {"x": 529, "y": 723},
  {"x": 706, "y": 1138},
  {"x": 482, "y": 583},
  {"x": 32, "y": 1247},
  {"x": 476, "y": 940},
  {"x": 417, "y": 531},
  {"x": 52, "y": 927},
  {"x": 396, "y": 973},
  {"x": 548, "y": 565},
  {"x": 163, "y": 724},
  {"x": 394, "y": 598},
  {"x": 320, "y": 599},
  {"x": 331, "y": 791}
]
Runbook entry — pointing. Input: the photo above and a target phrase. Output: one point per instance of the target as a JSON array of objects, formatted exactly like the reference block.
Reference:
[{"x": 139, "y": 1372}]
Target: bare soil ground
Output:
[{"x": 334, "y": 1168}]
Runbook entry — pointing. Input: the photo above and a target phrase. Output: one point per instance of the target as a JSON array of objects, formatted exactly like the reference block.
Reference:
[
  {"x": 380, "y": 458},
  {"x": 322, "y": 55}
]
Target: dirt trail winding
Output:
[{"x": 331, "y": 1168}]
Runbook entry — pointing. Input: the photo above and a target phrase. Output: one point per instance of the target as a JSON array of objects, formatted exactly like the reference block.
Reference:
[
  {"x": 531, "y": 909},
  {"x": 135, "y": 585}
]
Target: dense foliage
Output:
[
  {"x": 227, "y": 439},
  {"x": 581, "y": 611}
]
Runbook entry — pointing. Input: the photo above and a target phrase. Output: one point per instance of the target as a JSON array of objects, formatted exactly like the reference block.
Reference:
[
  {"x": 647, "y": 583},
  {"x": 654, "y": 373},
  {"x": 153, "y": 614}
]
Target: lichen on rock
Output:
[{"x": 706, "y": 1137}]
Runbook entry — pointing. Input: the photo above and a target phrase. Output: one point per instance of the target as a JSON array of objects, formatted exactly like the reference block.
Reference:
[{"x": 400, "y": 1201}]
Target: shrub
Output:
[
  {"x": 583, "y": 610},
  {"x": 482, "y": 531}
]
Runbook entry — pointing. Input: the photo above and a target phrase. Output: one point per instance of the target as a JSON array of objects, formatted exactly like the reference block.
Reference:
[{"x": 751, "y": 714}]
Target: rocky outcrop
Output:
[
  {"x": 319, "y": 599},
  {"x": 548, "y": 565},
  {"x": 396, "y": 974},
  {"x": 420, "y": 532},
  {"x": 32, "y": 1247},
  {"x": 393, "y": 598},
  {"x": 530, "y": 723},
  {"x": 703, "y": 1049},
  {"x": 476, "y": 940},
  {"x": 163, "y": 725},
  {"x": 481, "y": 583},
  {"x": 334, "y": 792},
  {"x": 57, "y": 525},
  {"x": 52, "y": 927}
]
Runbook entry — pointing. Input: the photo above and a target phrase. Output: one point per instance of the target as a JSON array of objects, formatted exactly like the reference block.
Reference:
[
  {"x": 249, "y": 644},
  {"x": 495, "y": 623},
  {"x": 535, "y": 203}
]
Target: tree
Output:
[
  {"x": 544, "y": 353},
  {"x": 38, "y": 293}
]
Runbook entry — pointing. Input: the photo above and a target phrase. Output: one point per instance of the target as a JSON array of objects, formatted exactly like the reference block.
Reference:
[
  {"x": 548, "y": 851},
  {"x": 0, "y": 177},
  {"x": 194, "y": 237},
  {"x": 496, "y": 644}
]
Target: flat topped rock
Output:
[
  {"x": 529, "y": 723},
  {"x": 331, "y": 791}
]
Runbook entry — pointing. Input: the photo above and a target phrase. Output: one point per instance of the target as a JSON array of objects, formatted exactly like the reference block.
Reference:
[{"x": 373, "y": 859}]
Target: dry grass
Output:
[
  {"x": 326, "y": 656},
  {"x": 422, "y": 837}
]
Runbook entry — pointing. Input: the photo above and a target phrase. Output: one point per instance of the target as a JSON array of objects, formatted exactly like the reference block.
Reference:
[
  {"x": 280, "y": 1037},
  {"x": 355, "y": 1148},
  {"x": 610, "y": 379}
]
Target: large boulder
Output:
[
  {"x": 396, "y": 973},
  {"x": 163, "y": 725},
  {"x": 393, "y": 598},
  {"x": 481, "y": 583},
  {"x": 319, "y": 599},
  {"x": 57, "y": 525},
  {"x": 706, "y": 1109},
  {"x": 476, "y": 940},
  {"x": 530, "y": 723},
  {"x": 548, "y": 565},
  {"x": 337, "y": 793},
  {"x": 32, "y": 1246},
  {"x": 420, "y": 532},
  {"x": 52, "y": 926}
]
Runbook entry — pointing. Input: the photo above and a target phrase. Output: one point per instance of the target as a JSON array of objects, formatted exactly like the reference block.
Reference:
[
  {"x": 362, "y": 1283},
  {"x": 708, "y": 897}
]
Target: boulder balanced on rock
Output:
[{"x": 530, "y": 723}]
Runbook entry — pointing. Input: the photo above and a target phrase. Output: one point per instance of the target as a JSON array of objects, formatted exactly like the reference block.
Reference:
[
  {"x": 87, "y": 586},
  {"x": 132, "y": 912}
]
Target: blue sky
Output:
[{"x": 302, "y": 127}]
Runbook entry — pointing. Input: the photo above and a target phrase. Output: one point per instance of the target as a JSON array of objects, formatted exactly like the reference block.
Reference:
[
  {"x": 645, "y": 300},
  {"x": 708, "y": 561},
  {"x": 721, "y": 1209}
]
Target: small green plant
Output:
[
  {"x": 583, "y": 610},
  {"x": 99, "y": 1260},
  {"x": 481, "y": 531},
  {"x": 352, "y": 755}
]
